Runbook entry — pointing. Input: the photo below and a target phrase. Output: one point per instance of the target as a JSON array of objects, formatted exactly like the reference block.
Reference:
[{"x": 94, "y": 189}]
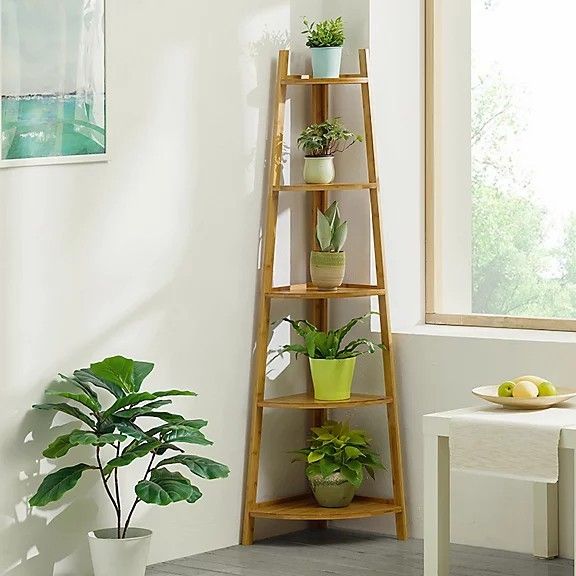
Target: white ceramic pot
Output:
[
  {"x": 327, "y": 269},
  {"x": 319, "y": 170},
  {"x": 119, "y": 557}
]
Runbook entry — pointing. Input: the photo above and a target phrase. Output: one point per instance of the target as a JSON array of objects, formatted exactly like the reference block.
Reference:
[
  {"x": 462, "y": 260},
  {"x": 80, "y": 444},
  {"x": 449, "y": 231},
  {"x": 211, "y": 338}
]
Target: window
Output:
[{"x": 501, "y": 146}]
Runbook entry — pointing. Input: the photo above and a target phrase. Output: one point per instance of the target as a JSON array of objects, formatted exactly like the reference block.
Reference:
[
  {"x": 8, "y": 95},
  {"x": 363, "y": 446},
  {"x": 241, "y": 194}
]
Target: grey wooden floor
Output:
[{"x": 340, "y": 553}]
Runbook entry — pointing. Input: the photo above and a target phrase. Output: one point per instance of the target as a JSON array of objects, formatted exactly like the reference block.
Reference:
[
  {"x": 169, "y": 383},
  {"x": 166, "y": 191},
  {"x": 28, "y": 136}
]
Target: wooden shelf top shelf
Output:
[
  {"x": 307, "y": 292},
  {"x": 324, "y": 187},
  {"x": 296, "y": 80},
  {"x": 305, "y": 508},
  {"x": 308, "y": 402}
]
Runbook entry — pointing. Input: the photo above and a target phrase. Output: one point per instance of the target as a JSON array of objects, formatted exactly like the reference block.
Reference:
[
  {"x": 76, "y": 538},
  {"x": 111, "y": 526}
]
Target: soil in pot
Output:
[{"x": 334, "y": 491}]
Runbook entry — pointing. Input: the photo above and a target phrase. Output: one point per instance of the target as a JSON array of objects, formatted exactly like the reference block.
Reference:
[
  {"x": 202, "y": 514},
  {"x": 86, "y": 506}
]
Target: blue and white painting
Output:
[{"x": 52, "y": 80}]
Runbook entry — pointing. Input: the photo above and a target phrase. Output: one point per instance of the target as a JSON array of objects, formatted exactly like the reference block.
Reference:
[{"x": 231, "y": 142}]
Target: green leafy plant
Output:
[
  {"x": 335, "y": 447},
  {"x": 329, "y": 345},
  {"x": 326, "y": 34},
  {"x": 326, "y": 139},
  {"x": 330, "y": 230},
  {"x": 115, "y": 427}
]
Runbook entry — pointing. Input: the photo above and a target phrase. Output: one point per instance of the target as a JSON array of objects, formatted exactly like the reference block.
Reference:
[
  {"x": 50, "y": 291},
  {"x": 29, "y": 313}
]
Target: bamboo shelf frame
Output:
[{"x": 303, "y": 507}]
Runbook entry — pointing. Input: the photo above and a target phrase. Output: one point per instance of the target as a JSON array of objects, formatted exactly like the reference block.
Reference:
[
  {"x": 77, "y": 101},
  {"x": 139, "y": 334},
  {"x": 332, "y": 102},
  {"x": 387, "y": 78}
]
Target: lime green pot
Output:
[
  {"x": 334, "y": 491},
  {"x": 332, "y": 379}
]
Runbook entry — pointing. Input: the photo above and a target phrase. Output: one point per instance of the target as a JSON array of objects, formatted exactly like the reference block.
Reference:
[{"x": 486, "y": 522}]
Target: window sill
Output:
[{"x": 489, "y": 333}]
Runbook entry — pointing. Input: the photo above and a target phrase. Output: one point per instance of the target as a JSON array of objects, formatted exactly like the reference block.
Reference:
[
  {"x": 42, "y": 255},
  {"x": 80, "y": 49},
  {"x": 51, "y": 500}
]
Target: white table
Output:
[{"x": 437, "y": 497}]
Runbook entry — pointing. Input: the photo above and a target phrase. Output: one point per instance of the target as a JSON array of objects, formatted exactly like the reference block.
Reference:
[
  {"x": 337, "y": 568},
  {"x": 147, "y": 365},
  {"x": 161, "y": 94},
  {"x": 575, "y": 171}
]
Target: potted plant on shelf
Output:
[
  {"x": 332, "y": 363},
  {"x": 328, "y": 265},
  {"x": 321, "y": 142},
  {"x": 326, "y": 40},
  {"x": 336, "y": 458},
  {"x": 117, "y": 430}
]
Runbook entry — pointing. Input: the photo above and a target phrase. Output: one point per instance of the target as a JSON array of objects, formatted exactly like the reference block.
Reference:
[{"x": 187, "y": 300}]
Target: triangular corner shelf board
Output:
[{"x": 303, "y": 507}]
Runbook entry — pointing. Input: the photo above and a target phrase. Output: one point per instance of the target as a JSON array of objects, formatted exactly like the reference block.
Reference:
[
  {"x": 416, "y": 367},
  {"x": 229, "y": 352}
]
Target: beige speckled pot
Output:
[
  {"x": 327, "y": 269},
  {"x": 333, "y": 491}
]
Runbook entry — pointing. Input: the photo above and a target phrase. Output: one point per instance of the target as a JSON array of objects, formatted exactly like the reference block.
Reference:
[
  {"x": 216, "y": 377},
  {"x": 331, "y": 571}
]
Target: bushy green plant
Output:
[
  {"x": 330, "y": 230},
  {"x": 116, "y": 427},
  {"x": 335, "y": 447},
  {"x": 326, "y": 34},
  {"x": 320, "y": 345},
  {"x": 327, "y": 138}
]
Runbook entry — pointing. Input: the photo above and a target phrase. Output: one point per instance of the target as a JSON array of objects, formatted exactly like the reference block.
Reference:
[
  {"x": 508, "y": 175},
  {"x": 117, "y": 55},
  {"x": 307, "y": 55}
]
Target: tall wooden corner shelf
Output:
[{"x": 303, "y": 507}]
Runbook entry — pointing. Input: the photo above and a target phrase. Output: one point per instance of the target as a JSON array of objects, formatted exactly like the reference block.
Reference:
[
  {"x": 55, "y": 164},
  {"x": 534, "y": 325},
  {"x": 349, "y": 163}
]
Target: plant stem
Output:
[
  {"x": 117, "y": 490},
  {"x": 137, "y": 501},
  {"x": 101, "y": 468}
]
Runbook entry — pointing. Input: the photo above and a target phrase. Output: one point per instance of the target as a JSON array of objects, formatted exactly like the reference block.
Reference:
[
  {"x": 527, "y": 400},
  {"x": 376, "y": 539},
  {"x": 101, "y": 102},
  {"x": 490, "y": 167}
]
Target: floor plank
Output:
[{"x": 343, "y": 553}]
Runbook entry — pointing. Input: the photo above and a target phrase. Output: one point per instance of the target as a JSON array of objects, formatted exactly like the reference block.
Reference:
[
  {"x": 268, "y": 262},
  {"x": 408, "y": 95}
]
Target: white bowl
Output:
[{"x": 490, "y": 393}]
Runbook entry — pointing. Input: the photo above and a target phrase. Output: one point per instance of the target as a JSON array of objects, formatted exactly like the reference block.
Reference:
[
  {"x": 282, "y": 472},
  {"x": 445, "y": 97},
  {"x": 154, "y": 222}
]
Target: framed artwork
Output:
[{"x": 52, "y": 81}]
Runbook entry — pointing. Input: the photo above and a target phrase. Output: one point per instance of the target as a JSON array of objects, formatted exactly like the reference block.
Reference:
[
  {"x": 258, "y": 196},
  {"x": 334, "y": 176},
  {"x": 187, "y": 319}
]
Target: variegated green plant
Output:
[
  {"x": 330, "y": 230},
  {"x": 335, "y": 447},
  {"x": 328, "y": 345},
  {"x": 121, "y": 430}
]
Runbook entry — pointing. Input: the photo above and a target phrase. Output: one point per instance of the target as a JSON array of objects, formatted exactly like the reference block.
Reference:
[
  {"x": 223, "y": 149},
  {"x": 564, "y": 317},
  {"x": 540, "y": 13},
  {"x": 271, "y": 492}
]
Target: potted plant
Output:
[
  {"x": 320, "y": 143},
  {"x": 118, "y": 429},
  {"x": 326, "y": 40},
  {"x": 328, "y": 265},
  {"x": 332, "y": 363},
  {"x": 336, "y": 458}
]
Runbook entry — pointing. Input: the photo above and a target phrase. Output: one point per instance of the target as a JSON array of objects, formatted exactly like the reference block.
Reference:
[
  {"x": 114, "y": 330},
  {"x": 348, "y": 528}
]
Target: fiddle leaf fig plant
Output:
[
  {"x": 326, "y": 34},
  {"x": 329, "y": 345},
  {"x": 336, "y": 447},
  {"x": 330, "y": 230},
  {"x": 123, "y": 425}
]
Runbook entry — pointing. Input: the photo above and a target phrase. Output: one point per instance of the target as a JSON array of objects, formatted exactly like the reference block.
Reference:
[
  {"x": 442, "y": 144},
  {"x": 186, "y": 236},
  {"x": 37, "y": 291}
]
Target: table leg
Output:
[
  {"x": 545, "y": 520},
  {"x": 436, "y": 505}
]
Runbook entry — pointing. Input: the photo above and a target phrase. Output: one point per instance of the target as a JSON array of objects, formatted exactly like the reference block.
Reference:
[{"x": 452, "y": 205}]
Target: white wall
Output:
[{"x": 152, "y": 255}]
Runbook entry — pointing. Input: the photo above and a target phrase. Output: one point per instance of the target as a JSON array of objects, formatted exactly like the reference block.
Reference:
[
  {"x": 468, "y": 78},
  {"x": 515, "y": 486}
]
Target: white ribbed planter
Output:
[{"x": 114, "y": 557}]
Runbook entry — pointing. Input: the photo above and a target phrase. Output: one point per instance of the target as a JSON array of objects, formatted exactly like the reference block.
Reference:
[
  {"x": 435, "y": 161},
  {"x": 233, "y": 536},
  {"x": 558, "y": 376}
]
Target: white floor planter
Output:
[{"x": 114, "y": 557}]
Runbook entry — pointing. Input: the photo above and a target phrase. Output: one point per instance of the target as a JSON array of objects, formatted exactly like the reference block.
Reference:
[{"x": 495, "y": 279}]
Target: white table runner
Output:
[{"x": 518, "y": 444}]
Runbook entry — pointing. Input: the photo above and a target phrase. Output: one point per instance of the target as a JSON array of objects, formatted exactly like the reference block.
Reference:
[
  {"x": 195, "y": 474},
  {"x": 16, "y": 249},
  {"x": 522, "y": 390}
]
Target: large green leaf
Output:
[
  {"x": 165, "y": 487},
  {"x": 128, "y": 400},
  {"x": 118, "y": 370},
  {"x": 83, "y": 385},
  {"x": 55, "y": 485},
  {"x": 133, "y": 452},
  {"x": 324, "y": 232},
  {"x": 60, "y": 447},
  {"x": 83, "y": 438},
  {"x": 66, "y": 409},
  {"x": 168, "y": 416},
  {"x": 141, "y": 370},
  {"x": 83, "y": 399},
  {"x": 163, "y": 393},
  {"x": 146, "y": 410},
  {"x": 184, "y": 432},
  {"x": 195, "y": 496},
  {"x": 85, "y": 376},
  {"x": 199, "y": 466},
  {"x": 130, "y": 429}
]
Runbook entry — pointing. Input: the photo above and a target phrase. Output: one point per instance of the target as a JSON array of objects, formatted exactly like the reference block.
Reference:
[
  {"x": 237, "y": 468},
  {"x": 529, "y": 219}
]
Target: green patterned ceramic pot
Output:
[
  {"x": 319, "y": 169},
  {"x": 333, "y": 491},
  {"x": 332, "y": 379},
  {"x": 327, "y": 269}
]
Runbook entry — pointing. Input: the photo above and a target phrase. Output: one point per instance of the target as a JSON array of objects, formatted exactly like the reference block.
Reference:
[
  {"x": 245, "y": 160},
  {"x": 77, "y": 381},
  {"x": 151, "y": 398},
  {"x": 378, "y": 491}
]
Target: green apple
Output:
[
  {"x": 547, "y": 389},
  {"x": 506, "y": 389}
]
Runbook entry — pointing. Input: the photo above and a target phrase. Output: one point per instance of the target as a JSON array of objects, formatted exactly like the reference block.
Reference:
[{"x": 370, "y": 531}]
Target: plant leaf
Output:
[
  {"x": 60, "y": 447},
  {"x": 132, "y": 453},
  {"x": 202, "y": 467},
  {"x": 117, "y": 370},
  {"x": 340, "y": 236},
  {"x": 83, "y": 399},
  {"x": 164, "y": 393},
  {"x": 324, "y": 232},
  {"x": 86, "y": 377},
  {"x": 128, "y": 400},
  {"x": 146, "y": 410},
  {"x": 184, "y": 432},
  {"x": 66, "y": 409},
  {"x": 83, "y": 438},
  {"x": 130, "y": 429},
  {"x": 165, "y": 487},
  {"x": 55, "y": 485},
  {"x": 140, "y": 371},
  {"x": 195, "y": 496}
]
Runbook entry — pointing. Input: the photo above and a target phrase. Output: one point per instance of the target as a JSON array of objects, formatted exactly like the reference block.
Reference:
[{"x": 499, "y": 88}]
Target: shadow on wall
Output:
[{"x": 184, "y": 304}]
